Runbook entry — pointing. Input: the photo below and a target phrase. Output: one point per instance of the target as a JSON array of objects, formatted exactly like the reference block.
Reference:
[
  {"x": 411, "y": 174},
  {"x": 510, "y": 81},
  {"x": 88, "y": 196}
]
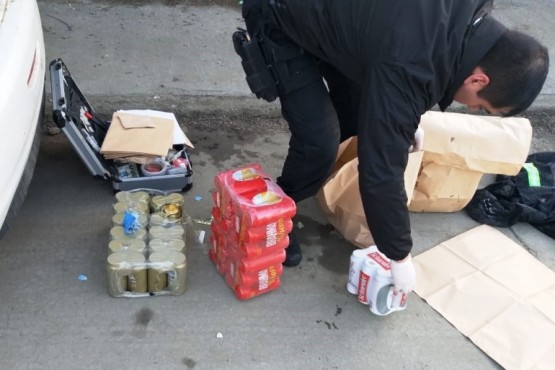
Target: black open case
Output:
[{"x": 76, "y": 118}]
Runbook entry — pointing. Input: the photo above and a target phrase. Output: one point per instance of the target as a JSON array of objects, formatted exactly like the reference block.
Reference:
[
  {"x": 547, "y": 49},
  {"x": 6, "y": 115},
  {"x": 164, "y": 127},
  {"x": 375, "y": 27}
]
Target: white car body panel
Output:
[{"x": 21, "y": 93}]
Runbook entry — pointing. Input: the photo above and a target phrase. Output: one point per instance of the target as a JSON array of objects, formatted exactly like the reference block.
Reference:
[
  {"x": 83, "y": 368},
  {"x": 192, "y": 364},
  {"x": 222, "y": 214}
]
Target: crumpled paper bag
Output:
[
  {"x": 340, "y": 198},
  {"x": 459, "y": 149}
]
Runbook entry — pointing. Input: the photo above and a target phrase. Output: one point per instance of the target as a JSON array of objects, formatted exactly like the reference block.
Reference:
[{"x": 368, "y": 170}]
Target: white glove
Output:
[
  {"x": 404, "y": 276},
  {"x": 418, "y": 144}
]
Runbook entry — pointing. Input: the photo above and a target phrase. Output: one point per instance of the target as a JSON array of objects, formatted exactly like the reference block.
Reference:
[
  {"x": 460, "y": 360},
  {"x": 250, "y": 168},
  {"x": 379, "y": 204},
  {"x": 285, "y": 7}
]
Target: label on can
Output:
[
  {"x": 365, "y": 280},
  {"x": 357, "y": 260}
]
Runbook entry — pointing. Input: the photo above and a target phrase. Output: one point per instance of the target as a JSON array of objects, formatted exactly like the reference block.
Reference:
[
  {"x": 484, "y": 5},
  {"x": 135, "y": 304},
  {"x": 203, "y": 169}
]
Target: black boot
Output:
[{"x": 293, "y": 252}]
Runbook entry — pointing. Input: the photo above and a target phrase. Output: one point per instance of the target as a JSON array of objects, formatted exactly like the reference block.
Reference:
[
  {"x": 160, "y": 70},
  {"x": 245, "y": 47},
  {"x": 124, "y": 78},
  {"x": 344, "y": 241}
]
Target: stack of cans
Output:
[
  {"x": 252, "y": 218},
  {"x": 147, "y": 245},
  {"x": 371, "y": 281}
]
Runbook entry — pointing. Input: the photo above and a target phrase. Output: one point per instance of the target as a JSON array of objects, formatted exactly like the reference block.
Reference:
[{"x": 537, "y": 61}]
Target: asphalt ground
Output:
[{"x": 177, "y": 56}]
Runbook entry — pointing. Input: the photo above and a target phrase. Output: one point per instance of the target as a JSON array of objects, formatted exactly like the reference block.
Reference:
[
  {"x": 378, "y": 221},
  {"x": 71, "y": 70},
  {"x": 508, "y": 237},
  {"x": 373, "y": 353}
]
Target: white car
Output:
[{"x": 22, "y": 77}]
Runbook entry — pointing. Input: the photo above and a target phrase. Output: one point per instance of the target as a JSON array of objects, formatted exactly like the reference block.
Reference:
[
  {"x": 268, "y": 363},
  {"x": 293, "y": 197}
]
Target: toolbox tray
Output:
[{"x": 67, "y": 103}]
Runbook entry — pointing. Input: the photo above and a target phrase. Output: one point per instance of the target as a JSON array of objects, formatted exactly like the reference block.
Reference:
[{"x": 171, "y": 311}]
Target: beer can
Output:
[
  {"x": 380, "y": 293},
  {"x": 357, "y": 261},
  {"x": 365, "y": 280},
  {"x": 126, "y": 273},
  {"x": 157, "y": 272},
  {"x": 137, "y": 279},
  {"x": 177, "y": 272}
]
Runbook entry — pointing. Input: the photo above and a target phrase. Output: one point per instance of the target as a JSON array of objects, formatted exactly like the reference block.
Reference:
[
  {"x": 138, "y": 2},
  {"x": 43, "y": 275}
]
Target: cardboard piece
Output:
[
  {"x": 495, "y": 293},
  {"x": 340, "y": 199},
  {"x": 458, "y": 149}
]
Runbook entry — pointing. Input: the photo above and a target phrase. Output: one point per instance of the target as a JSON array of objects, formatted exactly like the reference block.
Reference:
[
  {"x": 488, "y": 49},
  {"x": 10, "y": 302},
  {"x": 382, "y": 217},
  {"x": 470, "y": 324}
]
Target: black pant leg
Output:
[
  {"x": 305, "y": 105},
  {"x": 314, "y": 140}
]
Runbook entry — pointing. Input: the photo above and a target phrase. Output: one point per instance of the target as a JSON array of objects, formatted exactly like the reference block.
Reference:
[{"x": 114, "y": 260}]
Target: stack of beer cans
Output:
[
  {"x": 252, "y": 219},
  {"x": 146, "y": 253}
]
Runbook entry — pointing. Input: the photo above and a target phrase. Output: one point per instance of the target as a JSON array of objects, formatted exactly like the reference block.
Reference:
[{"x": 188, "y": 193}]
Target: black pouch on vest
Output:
[{"x": 259, "y": 75}]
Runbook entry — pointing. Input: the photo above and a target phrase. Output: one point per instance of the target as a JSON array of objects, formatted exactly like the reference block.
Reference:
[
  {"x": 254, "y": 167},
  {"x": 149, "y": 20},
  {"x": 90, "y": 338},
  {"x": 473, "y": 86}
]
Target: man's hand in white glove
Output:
[
  {"x": 404, "y": 276},
  {"x": 418, "y": 144}
]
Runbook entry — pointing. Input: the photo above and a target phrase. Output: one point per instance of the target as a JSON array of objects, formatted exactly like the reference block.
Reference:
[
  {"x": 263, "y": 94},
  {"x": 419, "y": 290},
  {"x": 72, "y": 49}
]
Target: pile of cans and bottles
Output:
[
  {"x": 147, "y": 245},
  {"x": 252, "y": 219},
  {"x": 371, "y": 281}
]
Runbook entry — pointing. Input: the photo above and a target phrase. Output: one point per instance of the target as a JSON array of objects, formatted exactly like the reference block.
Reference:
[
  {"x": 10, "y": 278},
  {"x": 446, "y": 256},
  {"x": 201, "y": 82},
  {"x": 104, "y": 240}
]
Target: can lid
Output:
[
  {"x": 124, "y": 245},
  {"x": 132, "y": 206},
  {"x": 159, "y": 201},
  {"x": 160, "y": 245},
  {"x": 117, "y": 232},
  {"x": 137, "y": 196},
  {"x": 167, "y": 256},
  {"x": 171, "y": 232},
  {"x": 122, "y": 258}
]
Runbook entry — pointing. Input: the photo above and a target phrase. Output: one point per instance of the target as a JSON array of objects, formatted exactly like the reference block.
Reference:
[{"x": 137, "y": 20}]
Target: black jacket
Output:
[{"x": 407, "y": 56}]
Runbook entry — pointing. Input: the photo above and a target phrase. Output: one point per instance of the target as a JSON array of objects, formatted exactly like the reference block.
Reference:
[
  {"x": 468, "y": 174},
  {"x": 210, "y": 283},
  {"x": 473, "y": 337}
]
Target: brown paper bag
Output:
[
  {"x": 477, "y": 143},
  {"x": 458, "y": 149},
  {"x": 340, "y": 199},
  {"x": 443, "y": 188}
]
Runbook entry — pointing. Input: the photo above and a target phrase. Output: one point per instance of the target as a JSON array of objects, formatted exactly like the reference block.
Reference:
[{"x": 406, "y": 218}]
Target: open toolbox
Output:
[{"x": 73, "y": 114}]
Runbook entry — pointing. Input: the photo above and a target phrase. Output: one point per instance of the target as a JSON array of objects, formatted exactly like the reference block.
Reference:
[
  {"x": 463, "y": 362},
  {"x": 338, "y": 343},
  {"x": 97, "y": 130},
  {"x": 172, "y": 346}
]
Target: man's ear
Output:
[{"x": 477, "y": 80}]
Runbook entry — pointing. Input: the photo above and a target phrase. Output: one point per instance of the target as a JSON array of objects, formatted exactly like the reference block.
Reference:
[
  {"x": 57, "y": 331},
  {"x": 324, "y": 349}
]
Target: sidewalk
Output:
[{"x": 170, "y": 54}]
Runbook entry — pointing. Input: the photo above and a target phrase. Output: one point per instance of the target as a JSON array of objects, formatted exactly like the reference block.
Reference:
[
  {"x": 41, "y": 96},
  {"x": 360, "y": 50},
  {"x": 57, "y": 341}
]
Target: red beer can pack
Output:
[{"x": 252, "y": 218}]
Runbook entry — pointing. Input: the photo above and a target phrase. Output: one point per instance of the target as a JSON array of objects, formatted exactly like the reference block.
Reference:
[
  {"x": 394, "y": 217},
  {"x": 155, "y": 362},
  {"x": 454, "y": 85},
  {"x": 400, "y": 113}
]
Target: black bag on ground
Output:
[{"x": 527, "y": 197}]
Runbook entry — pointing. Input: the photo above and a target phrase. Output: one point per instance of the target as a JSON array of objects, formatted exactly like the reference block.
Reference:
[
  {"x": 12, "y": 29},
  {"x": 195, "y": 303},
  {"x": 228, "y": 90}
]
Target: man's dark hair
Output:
[{"x": 517, "y": 67}]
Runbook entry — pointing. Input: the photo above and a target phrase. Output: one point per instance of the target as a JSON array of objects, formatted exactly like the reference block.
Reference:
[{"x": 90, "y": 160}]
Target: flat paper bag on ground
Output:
[
  {"x": 494, "y": 292},
  {"x": 340, "y": 196},
  {"x": 458, "y": 149}
]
